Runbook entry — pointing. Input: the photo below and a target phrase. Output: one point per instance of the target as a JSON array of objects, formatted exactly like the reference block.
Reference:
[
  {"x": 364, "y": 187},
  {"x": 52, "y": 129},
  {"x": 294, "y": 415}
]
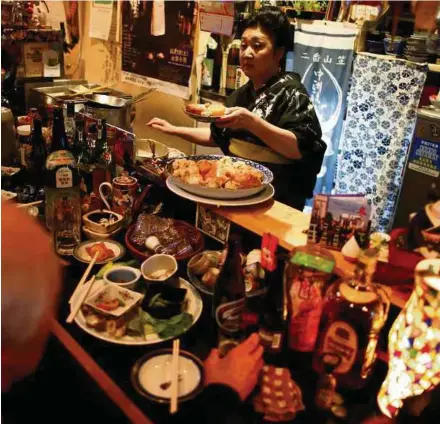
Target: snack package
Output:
[{"x": 280, "y": 398}]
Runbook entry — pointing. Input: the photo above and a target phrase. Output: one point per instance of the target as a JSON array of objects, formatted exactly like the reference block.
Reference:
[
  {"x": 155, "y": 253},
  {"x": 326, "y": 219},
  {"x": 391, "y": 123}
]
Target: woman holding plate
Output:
[{"x": 270, "y": 119}]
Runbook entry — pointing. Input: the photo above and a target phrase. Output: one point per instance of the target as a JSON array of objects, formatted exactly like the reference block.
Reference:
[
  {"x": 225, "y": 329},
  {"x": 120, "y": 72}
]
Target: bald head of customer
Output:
[{"x": 31, "y": 275}]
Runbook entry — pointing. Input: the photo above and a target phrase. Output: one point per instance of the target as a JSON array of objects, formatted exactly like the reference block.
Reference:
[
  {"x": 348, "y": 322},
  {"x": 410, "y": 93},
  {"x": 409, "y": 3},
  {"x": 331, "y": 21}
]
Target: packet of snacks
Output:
[{"x": 280, "y": 398}]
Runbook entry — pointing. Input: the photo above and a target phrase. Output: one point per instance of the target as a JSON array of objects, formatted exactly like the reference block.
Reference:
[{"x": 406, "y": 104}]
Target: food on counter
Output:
[
  {"x": 223, "y": 173},
  {"x": 109, "y": 265},
  {"x": 104, "y": 252},
  {"x": 206, "y": 109},
  {"x": 174, "y": 239},
  {"x": 280, "y": 398},
  {"x": 161, "y": 312},
  {"x": 210, "y": 277},
  {"x": 207, "y": 266},
  {"x": 160, "y": 274}
]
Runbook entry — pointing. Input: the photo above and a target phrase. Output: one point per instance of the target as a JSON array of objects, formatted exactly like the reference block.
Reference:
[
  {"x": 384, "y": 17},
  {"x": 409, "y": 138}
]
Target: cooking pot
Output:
[{"x": 115, "y": 110}]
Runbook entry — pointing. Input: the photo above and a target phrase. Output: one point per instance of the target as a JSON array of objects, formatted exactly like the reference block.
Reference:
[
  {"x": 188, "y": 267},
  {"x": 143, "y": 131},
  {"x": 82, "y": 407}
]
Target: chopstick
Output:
[
  {"x": 26, "y": 205},
  {"x": 174, "y": 376},
  {"x": 80, "y": 301},
  {"x": 83, "y": 278}
]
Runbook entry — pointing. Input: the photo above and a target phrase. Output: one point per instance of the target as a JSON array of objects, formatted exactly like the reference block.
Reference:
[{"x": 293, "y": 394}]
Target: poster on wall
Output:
[
  {"x": 217, "y": 17},
  {"x": 157, "y": 44},
  {"x": 323, "y": 56}
]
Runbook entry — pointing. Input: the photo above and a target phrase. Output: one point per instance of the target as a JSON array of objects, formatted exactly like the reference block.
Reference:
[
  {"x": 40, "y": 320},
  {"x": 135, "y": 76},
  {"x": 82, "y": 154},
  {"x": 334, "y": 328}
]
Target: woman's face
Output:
[{"x": 258, "y": 55}]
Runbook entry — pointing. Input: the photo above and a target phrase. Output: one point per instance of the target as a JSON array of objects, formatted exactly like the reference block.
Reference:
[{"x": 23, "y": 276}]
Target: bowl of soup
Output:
[{"x": 123, "y": 276}]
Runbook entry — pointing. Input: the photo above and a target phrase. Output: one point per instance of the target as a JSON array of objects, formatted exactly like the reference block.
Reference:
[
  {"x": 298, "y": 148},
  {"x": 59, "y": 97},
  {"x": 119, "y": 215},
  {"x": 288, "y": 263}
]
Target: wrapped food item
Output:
[
  {"x": 280, "y": 398},
  {"x": 147, "y": 225}
]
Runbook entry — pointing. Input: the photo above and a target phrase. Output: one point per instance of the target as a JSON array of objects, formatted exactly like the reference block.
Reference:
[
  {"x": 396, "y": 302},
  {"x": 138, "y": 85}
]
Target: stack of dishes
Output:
[
  {"x": 220, "y": 180},
  {"x": 416, "y": 49}
]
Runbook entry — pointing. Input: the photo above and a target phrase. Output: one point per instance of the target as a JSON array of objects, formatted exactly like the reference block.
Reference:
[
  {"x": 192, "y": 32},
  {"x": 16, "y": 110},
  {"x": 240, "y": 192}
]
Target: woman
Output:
[{"x": 270, "y": 119}]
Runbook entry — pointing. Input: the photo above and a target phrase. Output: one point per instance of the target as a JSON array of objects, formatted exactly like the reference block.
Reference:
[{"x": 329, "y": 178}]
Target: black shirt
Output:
[{"x": 283, "y": 101}]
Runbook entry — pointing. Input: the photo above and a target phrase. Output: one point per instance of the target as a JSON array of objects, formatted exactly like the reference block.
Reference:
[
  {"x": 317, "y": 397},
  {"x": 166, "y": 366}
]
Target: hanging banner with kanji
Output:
[
  {"x": 157, "y": 44},
  {"x": 323, "y": 56}
]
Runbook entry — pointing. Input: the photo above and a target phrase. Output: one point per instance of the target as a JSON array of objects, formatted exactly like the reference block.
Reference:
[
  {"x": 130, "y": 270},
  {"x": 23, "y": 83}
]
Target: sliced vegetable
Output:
[{"x": 109, "y": 305}]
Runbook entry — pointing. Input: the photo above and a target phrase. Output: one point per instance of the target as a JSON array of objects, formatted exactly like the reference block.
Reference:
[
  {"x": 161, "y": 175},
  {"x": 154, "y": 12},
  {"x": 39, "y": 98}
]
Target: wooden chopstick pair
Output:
[
  {"x": 77, "y": 300},
  {"x": 174, "y": 376}
]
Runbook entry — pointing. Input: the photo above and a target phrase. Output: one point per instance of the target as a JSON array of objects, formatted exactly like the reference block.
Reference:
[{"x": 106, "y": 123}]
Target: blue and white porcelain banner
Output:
[
  {"x": 381, "y": 115},
  {"x": 323, "y": 55}
]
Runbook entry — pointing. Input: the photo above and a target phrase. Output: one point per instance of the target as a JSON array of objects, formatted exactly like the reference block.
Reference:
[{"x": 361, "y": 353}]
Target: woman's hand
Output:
[
  {"x": 162, "y": 125},
  {"x": 237, "y": 118},
  {"x": 239, "y": 369}
]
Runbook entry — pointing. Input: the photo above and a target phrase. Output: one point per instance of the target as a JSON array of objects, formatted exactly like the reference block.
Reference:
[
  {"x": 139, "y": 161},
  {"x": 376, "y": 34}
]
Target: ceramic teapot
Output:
[{"x": 125, "y": 199}]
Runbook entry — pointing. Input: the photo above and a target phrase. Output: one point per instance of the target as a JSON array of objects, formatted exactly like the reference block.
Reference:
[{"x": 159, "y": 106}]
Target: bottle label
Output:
[
  {"x": 271, "y": 340},
  {"x": 312, "y": 261},
  {"x": 268, "y": 248},
  {"x": 231, "y": 74},
  {"x": 229, "y": 316},
  {"x": 60, "y": 158},
  {"x": 307, "y": 303},
  {"x": 341, "y": 338},
  {"x": 63, "y": 178}
]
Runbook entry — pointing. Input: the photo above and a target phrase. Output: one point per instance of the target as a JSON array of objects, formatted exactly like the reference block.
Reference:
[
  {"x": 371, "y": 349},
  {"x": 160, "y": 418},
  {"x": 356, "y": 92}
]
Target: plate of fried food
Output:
[
  {"x": 206, "y": 112},
  {"x": 108, "y": 250},
  {"x": 219, "y": 177}
]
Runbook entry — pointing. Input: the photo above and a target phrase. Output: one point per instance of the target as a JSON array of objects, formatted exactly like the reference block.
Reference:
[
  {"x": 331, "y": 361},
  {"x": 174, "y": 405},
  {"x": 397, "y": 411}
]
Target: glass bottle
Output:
[
  {"x": 59, "y": 137},
  {"x": 232, "y": 65},
  {"x": 326, "y": 386},
  {"x": 355, "y": 310},
  {"x": 272, "y": 323},
  {"x": 307, "y": 274},
  {"x": 230, "y": 297},
  {"x": 208, "y": 63},
  {"x": 38, "y": 154},
  {"x": 66, "y": 224},
  {"x": 69, "y": 123}
]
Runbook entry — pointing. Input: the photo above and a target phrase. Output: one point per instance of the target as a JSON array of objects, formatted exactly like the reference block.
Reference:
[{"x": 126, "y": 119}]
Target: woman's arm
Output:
[
  {"x": 201, "y": 136},
  {"x": 278, "y": 139}
]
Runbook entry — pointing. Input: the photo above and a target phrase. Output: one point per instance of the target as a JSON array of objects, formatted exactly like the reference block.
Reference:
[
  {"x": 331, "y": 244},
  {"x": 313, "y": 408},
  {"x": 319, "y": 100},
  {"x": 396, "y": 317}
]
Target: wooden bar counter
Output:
[{"x": 290, "y": 226}]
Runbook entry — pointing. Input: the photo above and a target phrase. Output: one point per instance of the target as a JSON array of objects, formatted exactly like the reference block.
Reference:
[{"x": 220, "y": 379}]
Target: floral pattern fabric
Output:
[{"x": 381, "y": 115}]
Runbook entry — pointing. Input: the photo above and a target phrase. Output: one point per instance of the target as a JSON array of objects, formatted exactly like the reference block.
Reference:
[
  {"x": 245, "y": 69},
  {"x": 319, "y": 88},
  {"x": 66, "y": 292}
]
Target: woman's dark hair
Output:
[{"x": 272, "y": 21}]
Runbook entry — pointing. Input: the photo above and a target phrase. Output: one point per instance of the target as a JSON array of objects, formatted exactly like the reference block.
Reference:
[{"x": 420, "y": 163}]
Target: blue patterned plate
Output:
[{"x": 222, "y": 193}]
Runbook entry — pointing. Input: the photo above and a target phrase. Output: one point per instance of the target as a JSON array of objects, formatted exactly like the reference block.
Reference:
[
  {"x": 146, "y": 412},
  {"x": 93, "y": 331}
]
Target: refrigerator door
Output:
[{"x": 422, "y": 169}]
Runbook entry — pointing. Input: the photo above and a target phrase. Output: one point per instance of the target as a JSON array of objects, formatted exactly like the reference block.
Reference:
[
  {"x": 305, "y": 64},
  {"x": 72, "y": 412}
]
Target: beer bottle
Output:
[
  {"x": 218, "y": 62},
  {"x": 272, "y": 323},
  {"x": 233, "y": 63},
  {"x": 69, "y": 123},
  {"x": 230, "y": 297},
  {"x": 38, "y": 155},
  {"x": 208, "y": 63},
  {"x": 59, "y": 137}
]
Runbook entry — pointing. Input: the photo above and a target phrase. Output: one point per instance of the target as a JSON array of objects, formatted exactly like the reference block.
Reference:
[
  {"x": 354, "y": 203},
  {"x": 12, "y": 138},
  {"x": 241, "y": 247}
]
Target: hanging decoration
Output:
[
  {"x": 381, "y": 115},
  {"x": 323, "y": 56}
]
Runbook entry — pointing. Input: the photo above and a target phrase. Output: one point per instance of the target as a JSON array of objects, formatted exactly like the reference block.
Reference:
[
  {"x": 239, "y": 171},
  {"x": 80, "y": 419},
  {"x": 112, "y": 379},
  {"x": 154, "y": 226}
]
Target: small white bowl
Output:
[
  {"x": 157, "y": 263},
  {"x": 129, "y": 275}
]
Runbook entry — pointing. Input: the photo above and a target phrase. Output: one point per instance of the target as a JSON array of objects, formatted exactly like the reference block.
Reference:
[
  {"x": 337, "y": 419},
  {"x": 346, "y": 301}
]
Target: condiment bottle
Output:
[
  {"x": 327, "y": 381},
  {"x": 307, "y": 273}
]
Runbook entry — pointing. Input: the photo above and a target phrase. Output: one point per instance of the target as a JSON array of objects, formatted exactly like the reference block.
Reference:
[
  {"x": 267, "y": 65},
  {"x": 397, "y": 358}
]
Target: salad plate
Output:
[{"x": 193, "y": 306}]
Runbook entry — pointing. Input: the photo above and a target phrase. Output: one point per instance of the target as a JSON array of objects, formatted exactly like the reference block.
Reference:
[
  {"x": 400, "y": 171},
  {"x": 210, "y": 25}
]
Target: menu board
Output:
[{"x": 157, "y": 44}]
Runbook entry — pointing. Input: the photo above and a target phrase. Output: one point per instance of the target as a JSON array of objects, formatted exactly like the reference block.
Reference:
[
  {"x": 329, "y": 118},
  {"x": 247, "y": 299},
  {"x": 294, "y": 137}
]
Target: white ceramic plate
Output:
[
  {"x": 194, "y": 306},
  {"x": 261, "y": 197},
  {"x": 201, "y": 118},
  {"x": 151, "y": 375},
  {"x": 80, "y": 252},
  {"x": 224, "y": 193}
]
